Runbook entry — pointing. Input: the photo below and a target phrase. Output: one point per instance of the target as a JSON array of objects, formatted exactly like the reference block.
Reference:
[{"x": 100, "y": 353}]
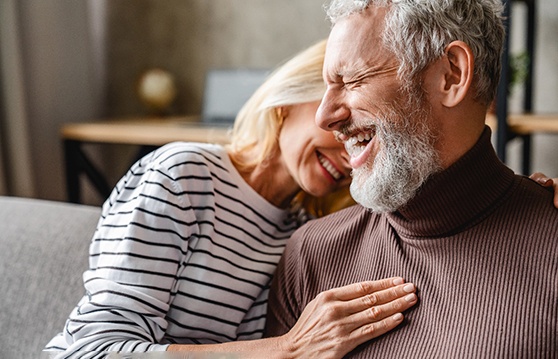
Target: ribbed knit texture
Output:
[{"x": 481, "y": 245}]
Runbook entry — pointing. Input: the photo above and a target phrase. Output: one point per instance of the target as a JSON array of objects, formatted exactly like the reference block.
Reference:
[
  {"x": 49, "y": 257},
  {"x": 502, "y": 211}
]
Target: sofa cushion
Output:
[{"x": 43, "y": 253}]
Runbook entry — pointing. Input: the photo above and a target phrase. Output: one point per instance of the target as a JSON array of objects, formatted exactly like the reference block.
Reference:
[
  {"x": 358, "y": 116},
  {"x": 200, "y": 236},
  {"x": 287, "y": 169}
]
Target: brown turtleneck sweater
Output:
[{"x": 480, "y": 244}]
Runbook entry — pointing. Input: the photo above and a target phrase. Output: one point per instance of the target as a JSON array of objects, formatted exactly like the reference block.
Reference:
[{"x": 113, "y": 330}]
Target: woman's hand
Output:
[
  {"x": 340, "y": 319},
  {"x": 545, "y": 181},
  {"x": 331, "y": 325}
]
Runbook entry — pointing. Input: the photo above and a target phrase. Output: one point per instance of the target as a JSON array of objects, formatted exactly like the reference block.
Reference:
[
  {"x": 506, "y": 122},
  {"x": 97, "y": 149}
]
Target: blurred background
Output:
[{"x": 70, "y": 61}]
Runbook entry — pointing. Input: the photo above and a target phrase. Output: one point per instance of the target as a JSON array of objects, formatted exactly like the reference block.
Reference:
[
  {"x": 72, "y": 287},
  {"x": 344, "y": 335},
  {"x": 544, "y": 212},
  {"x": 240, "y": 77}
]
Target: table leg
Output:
[
  {"x": 77, "y": 163},
  {"x": 71, "y": 148}
]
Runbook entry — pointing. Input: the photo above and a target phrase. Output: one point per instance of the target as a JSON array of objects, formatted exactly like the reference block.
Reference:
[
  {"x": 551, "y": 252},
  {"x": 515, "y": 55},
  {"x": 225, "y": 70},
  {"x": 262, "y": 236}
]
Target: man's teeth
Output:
[
  {"x": 364, "y": 136},
  {"x": 329, "y": 167},
  {"x": 355, "y": 145}
]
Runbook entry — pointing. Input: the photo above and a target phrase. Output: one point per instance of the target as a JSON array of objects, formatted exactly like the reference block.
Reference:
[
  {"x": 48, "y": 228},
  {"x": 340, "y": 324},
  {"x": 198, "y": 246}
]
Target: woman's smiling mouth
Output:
[{"x": 329, "y": 167}]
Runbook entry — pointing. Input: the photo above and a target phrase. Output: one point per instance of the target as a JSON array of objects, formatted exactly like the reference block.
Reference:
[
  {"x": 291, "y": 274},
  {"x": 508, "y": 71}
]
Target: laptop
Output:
[{"x": 226, "y": 91}]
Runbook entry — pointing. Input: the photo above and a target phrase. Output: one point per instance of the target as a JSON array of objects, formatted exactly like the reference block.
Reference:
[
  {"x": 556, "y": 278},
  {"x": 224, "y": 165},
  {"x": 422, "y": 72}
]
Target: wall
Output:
[{"x": 189, "y": 37}]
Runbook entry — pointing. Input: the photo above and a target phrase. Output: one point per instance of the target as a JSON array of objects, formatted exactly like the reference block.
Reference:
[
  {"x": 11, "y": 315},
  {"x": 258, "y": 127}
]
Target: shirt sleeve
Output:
[{"x": 135, "y": 259}]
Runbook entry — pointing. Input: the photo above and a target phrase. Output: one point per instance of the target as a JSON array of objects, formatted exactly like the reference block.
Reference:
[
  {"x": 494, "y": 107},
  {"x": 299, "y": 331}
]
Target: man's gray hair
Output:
[{"x": 418, "y": 32}]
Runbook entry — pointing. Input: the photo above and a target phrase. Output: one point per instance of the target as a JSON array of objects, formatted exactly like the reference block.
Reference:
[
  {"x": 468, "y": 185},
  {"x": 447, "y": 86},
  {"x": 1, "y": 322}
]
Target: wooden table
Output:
[{"x": 148, "y": 133}]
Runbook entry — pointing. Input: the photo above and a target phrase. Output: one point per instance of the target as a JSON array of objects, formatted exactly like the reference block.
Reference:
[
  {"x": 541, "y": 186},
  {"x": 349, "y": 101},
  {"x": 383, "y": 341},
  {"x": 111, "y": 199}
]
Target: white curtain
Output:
[{"x": 15, "y": 158}]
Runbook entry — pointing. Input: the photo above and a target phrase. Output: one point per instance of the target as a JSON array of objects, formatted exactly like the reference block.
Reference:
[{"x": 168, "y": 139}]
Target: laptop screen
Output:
[{"x": 226, "y": 91}]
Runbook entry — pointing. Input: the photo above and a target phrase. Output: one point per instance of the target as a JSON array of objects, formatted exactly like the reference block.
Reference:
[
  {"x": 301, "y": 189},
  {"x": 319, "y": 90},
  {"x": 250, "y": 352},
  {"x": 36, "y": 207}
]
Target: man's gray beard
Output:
[{"x": 405, "y": 161}]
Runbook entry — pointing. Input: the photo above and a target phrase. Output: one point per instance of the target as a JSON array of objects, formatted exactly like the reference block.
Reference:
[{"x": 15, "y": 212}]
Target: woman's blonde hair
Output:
[{"x": 258, "y": 124}]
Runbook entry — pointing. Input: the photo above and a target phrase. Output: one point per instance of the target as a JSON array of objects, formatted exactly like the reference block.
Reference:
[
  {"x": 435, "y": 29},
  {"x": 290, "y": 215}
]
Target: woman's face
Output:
[{"x": 315, "y": 160}]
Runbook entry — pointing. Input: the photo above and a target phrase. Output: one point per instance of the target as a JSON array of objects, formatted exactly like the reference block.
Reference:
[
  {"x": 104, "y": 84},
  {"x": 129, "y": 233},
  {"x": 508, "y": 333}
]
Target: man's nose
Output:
[{"x": 332, "y": 112}]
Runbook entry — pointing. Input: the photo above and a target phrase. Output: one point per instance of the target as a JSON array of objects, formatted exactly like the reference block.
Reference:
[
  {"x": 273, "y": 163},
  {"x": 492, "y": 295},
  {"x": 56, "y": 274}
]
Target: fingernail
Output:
[
  {"x": 410, "y": 297},
  {"x": 409, "y": 288},
  {"x": 544, "y": 180},
  {"x": 398, "y": 281},
  {"x": 398, "y": 317}
]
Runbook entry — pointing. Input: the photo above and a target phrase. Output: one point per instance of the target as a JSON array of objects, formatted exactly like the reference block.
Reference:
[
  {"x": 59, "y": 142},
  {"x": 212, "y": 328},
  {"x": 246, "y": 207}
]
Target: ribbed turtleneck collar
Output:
[{"x": 458, "y": 197}]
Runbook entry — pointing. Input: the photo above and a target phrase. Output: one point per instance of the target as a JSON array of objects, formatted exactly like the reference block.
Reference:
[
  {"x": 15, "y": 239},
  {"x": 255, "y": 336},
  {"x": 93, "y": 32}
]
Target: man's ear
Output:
[{"x": 458, "y": 73}]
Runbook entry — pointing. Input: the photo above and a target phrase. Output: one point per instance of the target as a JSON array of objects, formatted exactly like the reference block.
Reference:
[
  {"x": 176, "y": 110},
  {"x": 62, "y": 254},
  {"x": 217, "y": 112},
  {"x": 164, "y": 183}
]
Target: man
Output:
[{"x": 408, "y": 86}]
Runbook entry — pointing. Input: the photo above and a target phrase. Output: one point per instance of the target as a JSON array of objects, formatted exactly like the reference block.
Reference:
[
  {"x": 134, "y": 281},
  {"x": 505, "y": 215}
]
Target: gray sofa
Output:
[{"x": 43, "y": 253}]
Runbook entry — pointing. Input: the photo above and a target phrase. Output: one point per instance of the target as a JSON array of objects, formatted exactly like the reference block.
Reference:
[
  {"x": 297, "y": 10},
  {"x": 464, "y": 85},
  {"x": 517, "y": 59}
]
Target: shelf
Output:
[{"x": 527, "y": 124}]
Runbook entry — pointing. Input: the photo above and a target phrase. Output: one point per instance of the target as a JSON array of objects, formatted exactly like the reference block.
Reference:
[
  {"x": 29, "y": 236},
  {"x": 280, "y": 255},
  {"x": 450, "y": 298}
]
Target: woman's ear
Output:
[
  {"x": 282, "y": 113},
  {"x": 458, "y": 73}
]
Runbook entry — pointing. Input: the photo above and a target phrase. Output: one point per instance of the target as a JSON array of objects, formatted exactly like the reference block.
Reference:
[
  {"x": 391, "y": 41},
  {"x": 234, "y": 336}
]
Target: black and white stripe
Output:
[{"x": 183, "y": 253}]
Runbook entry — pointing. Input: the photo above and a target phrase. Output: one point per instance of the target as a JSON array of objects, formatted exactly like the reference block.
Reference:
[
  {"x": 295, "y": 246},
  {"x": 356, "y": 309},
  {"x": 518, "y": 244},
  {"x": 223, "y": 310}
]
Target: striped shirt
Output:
[{"x": 184, "y": 252}]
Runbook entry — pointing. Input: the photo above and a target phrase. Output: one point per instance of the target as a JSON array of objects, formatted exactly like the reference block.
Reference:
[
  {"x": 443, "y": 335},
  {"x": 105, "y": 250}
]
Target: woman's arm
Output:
[
  {"x": 545, "y": 181},
  {"x": 135, "y": 255},
  {"x": 334, "y": 323}
]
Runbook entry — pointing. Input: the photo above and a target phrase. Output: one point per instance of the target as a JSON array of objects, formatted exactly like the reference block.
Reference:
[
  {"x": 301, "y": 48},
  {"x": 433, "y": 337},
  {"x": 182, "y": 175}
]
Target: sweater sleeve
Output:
[{"x": 136, "y": 255}]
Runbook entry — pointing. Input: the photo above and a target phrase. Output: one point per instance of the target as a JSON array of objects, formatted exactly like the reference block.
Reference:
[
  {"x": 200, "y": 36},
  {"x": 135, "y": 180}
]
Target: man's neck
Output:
[{"x": 456, "y": 197}]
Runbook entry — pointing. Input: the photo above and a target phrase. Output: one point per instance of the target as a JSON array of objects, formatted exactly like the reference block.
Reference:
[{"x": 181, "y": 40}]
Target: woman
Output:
[{"x": 189, "y": 238}]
